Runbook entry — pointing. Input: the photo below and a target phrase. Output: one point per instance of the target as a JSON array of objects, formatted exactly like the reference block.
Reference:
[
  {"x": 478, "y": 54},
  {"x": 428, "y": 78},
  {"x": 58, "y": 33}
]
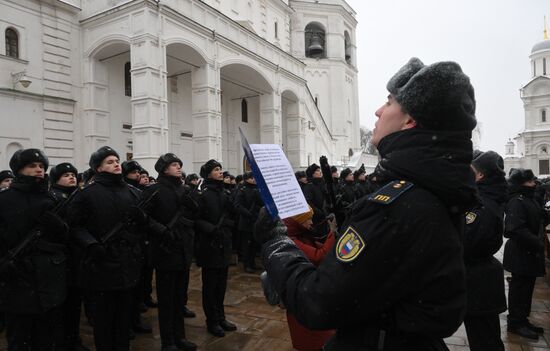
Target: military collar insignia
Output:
[
  {"x": 349, "y": 246},
  {"x": 390, "y": 192},
  {"x": 470, "y": 217}
]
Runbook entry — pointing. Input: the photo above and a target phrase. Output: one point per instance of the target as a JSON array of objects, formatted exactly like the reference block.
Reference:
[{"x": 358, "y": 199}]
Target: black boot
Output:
[
  {"x": 523, "y": 330},
  {"x": 169, "y": 348},
  {"x": 185, "y": 345},
  {"x": 216, "y": 330},
  {"x": 228, "y": 326},
  {"x": 141, "y": 328},
  {"x": 535, "y": 328},
  {"x": 187, "y": 313}
]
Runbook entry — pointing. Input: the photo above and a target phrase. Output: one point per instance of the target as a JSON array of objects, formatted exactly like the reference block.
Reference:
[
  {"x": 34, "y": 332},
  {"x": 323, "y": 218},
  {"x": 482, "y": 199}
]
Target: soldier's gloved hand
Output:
[
  {"x": 97, "y": 252},
  {"x": 53, "y": 223},
  {"x": 267, "y": 228},
  {"x": 137, "y": 215}
]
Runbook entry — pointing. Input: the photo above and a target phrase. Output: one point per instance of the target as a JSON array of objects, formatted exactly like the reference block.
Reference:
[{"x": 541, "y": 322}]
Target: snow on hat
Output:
[
  {"x": 438, "y": 97},
  {"x": 345, "y": 172}
]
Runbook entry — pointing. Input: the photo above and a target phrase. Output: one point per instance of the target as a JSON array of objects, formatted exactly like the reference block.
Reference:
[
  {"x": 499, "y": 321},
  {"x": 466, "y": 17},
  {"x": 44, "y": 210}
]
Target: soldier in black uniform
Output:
[
  {"x": 346, "y": 196},
  {"x": 172, "y": 215},
  {"x": 524, "y": 251},
  {"x": 482, "y": 239},
  {"x": 248, "y": 204},
  {"x": 63, "y": 180},
  {"x": 110, "y": 269},
  {"x": 192, "y": 181},
  {"x": 33, "y": 285},
  {"x": 214, "y": 249},
  {"x": 316, "y": 196},
  {"x": 6, "y": 178},
  {"x": 395, "y": 279},
  {"x": 131, "y": 173},
  {"x": 301, "y": 177}
]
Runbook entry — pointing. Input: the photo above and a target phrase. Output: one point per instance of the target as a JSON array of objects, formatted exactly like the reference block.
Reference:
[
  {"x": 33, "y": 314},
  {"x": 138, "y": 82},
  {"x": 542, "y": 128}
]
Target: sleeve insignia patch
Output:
[
  {"x": 470, "y": 217},
  {"x": 390, "y": 192},
  {"x": 349, "y": 246}
]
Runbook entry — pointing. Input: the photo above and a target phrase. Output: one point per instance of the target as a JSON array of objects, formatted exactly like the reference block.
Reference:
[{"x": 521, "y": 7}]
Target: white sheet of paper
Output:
[{"x": 280, "y": 179}]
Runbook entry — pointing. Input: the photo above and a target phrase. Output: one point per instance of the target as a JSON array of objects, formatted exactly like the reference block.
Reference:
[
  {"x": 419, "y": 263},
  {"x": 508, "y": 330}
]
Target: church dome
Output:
[{"x": 543, "y": 45}]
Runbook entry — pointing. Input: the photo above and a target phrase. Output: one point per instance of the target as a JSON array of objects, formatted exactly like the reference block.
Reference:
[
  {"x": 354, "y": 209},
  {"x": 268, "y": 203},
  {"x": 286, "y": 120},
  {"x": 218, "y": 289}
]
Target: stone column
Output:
[
  {"x": 96, "y": 116},
  {"x": 206, "y": 111},
  {"x": 295, "y": 135},
  {"x": 270, "y": 118},
  {"x": 149, "y": 100}
]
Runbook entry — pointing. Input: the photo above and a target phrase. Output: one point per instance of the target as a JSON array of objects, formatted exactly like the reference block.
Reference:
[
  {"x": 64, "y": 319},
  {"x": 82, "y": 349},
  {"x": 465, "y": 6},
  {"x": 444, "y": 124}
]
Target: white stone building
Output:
[
  {"x": 151, "y": 76},
  {"x": 531, "y": 147}
]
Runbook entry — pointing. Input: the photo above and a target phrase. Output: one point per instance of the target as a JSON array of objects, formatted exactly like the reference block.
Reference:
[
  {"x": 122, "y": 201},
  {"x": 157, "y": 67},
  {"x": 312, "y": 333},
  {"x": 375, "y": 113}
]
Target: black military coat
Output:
[
  {"x": 524, "y": 251},
  {"x": 40, "y": 283},
  {"x": 213, "y": 227},
  {"x": 248, "y": 203},
  {"x": 397, "y": 264},
  {"x": 172, "y": 206},
  {"x": 315, "y": 194},
  {"x": 94, "y": 211},
  {"x": 482, "y": 239}
]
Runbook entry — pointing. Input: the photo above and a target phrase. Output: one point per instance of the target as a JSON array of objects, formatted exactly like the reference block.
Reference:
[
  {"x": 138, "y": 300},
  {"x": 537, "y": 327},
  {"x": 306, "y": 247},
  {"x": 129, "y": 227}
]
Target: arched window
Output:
[
  {"x": 544, "y": 66},
  {"x": 315, "y": 40},
  {"x": 543, "y": 116},
  {"x": 244, "y": 111},
  {"x": 12, "y": 43},
  {"x": 347, "y": 47},
  {"x": 276, "y": 30},
  {"x": 127, "y": 79}
]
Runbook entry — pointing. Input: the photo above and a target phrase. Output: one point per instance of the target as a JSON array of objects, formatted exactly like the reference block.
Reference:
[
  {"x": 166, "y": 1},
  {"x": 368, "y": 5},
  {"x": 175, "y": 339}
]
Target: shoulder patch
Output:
[
  {"x": 349, "y": 246},
  {"x": 390, "y": 192},
  {"x": 470, "y": 217}
]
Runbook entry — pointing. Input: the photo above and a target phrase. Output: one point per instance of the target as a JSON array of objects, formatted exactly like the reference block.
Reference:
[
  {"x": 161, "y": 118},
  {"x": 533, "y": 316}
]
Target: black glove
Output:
[
  {"x": 267, "y": 228},
  {"x": 97, "y": 252},
  {"x": 137, "y": 215},
  {"x": 53, "y": 223}
]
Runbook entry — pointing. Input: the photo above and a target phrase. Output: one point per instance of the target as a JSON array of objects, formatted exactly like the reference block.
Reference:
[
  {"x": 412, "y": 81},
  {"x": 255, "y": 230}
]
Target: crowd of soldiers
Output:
[{"x": 95, "y": 238}]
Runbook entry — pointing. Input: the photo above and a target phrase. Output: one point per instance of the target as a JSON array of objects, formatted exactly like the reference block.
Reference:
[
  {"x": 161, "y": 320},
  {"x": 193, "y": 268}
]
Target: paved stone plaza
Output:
[{"x": 263, "y": 327}]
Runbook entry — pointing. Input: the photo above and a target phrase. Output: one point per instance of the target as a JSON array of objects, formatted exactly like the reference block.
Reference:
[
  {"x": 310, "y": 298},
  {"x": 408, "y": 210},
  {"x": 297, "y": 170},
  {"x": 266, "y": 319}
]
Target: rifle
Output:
[
  {"x": 34, "y": 234},
  {"x": 327, "y": 176},
  {"x": 127, "y": 220}
]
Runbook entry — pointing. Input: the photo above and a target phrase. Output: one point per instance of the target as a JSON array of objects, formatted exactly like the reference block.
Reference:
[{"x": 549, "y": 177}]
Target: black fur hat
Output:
[
  {"x": 520, "y": 175},
  {"x": 100, "y": 155},
  {"x": 300, "y": 174},
  {"x": 311, "y": 169},
  {"x": 438, "y": 97},
  {"x": 489, "y": 163},
  {"x": 165, "y": 161},
  {"x": 191, "y": 177},
  {"x": 333, "y": 169},
  {"x": 21, "y": 158},
  {"x": 130, "y": 166},
  {"x": 345, "y": 173},
  {"x": 5, "y": 175},
  {"x": 208, "y": 167},
  {"x": 62, "y": 168}
]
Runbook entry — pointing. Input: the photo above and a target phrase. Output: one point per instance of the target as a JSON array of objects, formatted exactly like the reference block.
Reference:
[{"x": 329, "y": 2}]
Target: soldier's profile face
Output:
[
  {"x": 216, "y": 174},
  {"x": 173, "y": 170},
  {"x": 391, "y": 119},
  {"x": 110, "y": 164},
  {"x": 35, "y": 169},
  {"x": 68, "y": 179}
]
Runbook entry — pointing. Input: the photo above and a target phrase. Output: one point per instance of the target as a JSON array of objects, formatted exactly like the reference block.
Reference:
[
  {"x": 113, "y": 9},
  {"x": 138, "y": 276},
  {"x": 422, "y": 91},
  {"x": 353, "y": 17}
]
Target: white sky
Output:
[{"x": 490, "y": 39}]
